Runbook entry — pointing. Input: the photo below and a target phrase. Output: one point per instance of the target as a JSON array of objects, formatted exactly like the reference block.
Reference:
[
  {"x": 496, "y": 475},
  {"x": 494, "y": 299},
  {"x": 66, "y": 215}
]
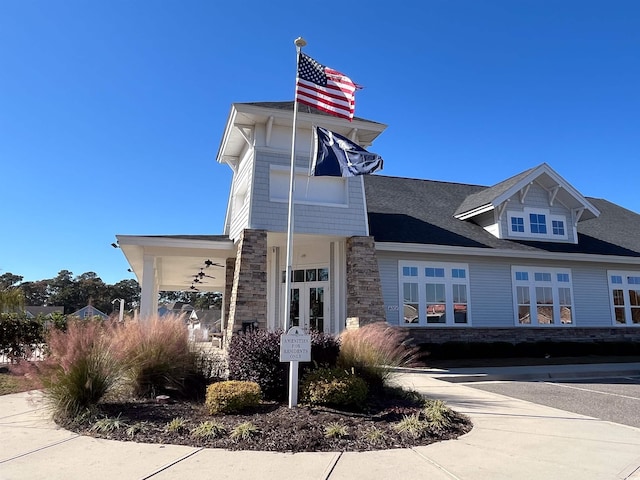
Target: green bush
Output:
[
  {"x": 232, "y": 396},
  {"x": 334, "y": 387},
  {"x": 19, "y": 335}
]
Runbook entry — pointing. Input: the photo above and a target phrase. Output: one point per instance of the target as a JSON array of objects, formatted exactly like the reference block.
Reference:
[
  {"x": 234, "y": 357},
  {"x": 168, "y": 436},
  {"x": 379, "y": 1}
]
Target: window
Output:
[
  {"x": 434, "y": 293},
  {"x": 538, "y": 223},
  {"x": 557, "y": 227},
  {"x": 411, "y": 302},
  {"x": 624, "y": 288},
  {"x": 542, "y": 296},
  {"x": 308, "y": 275},
  {"x": 410, "y": 271},
  {"x": 517, "y": 224}
]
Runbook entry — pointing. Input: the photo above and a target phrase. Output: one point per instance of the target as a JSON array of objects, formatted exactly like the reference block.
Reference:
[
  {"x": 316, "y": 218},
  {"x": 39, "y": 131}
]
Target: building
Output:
[
  {"x": 89, "y": 312},
  {"x": 528, "y": 258}
]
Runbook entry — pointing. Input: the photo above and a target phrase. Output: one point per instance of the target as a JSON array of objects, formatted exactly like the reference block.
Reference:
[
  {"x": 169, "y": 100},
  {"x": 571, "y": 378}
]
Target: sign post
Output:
[{"x": 295, "y": 347}]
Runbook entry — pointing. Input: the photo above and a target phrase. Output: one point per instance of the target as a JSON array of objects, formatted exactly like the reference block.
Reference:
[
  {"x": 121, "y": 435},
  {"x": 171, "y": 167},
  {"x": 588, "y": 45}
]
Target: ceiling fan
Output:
[
  {"x": 201, "y": 275},
  {"x": 208, "y": 263}
]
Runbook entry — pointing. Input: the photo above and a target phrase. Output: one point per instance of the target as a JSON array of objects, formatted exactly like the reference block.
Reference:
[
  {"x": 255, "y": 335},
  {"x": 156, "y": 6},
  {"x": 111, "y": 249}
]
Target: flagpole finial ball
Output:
[{"x": 300, "y": 42}]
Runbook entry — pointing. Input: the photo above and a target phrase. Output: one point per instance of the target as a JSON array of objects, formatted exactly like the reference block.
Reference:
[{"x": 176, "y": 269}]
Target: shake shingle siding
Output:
[{"x": 272, "y": 215}]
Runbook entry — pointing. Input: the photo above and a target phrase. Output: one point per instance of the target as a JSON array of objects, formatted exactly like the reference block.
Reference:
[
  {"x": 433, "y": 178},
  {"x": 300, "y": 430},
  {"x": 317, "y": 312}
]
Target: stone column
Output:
[
  {"x": 364, "y": 292},
  {"x": 248, "y": 298}
]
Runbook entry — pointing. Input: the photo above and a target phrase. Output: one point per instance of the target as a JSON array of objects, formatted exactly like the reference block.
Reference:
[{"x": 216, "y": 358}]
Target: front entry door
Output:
[{"x": 309, "y": 299}]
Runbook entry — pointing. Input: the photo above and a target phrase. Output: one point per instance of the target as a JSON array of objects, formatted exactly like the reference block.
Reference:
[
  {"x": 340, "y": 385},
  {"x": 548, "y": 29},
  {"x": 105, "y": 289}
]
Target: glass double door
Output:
[
  {"x": 309, "y": 300},
  {"x": 308, "y": 307}
]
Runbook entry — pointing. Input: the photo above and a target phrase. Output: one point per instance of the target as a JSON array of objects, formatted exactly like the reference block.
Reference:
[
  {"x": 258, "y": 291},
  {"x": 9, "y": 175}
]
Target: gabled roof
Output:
[
  {"x": 89, "y": 310},
  {"x": 411, "y": 211},
  {"x": 34, "y": 311},
  {"x": 544, "y": 175}
]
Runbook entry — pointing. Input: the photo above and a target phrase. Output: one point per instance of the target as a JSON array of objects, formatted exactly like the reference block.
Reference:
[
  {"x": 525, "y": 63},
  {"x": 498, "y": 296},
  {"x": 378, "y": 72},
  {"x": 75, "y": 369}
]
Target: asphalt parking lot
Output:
[{"x": 616, "y": 399}]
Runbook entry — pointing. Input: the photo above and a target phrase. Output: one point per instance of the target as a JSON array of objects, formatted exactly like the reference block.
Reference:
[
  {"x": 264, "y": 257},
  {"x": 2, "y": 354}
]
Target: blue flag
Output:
[{"x": 337, "y": 156}]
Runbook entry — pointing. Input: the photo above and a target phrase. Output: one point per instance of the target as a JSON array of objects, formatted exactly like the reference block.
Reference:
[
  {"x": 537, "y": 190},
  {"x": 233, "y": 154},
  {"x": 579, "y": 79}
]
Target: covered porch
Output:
[{"x": 177, "y": 263}]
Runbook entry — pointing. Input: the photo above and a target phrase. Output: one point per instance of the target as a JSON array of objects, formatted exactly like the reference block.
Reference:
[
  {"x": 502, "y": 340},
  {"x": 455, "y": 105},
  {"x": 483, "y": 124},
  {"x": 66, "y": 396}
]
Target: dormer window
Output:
[
  {"x": 517, "y": 224},
  {"x": 557, "y": 227},
  {"x": 537, "y": 224}
]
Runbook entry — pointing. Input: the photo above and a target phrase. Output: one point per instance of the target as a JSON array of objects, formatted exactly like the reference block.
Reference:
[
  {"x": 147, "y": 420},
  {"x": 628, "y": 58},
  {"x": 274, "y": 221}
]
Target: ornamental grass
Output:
[
  {"x": 373, "y": 351},
  {"x": 157, "y": 355},
  {"x": 80, "y": 369}
]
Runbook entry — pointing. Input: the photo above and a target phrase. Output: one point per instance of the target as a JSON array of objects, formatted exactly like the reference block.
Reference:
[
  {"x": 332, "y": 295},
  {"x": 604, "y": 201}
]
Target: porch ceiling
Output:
[{"x": 181, "y": 261}]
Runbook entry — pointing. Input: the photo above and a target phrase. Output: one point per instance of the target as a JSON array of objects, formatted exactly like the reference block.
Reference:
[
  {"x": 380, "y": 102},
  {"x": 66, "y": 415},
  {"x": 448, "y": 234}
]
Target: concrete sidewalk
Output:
[{"x": 511, "y": 439}]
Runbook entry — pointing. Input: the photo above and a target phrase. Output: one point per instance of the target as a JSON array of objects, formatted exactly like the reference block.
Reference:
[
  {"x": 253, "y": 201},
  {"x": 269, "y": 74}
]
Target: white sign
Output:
[{"x": 295, "y": 346}]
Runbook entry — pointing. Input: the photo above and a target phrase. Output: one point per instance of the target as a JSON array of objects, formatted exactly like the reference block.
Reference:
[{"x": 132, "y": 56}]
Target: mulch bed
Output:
[{"x": 281, "y": 429}]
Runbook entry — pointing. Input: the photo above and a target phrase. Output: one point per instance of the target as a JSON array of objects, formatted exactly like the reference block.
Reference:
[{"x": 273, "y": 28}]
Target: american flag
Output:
[{"x": 325, "y": 88}]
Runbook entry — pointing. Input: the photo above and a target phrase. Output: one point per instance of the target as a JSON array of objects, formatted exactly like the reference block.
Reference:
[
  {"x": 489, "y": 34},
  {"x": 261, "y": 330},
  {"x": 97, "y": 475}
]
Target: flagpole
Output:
[
  {"x": 299, "y": 43},
  {"x": 293, "y": 365}
]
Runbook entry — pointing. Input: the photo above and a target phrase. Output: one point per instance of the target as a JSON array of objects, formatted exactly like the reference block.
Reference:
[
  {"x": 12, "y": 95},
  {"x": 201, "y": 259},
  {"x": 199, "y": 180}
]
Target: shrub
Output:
[
  {"x": 108, "y": 425},
  {"x": 19, "y": 335},
  {"x": 438, "y": 414},
  {"x": 80, "y": 369},
  {"x": 176, "y": 425},
  {"x": 209, "y": 429},
  {"x": 374, "y": 350},
  {"x": 334, "y": 387},
  {"x": 336, "y": 430},
  {"x": 375, "y": 435},
  {"x": 255, "y": 356},
  {"x": 136, "y": 428},
  {"x": 413, "y": 426},
  {"x": 232, "y": 396},
  {"x": 157, "y": 355},
  {"x": 244, "y": 431}
]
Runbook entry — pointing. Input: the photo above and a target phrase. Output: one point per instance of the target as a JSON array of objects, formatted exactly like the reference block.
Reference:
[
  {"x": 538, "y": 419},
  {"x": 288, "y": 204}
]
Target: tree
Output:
[
  {"x": 11, "y": 300},
  {"x": 128, "y": 290},
  {"x": 8, "y": 280},
  {"x": 11, "y": 297},
  {"x": 35, "y": 293}
]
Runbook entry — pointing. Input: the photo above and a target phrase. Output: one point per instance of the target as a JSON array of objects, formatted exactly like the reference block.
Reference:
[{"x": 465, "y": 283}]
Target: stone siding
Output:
[
  {"x": 364, "y": 291},
  {"x": 248, "y": 299}
]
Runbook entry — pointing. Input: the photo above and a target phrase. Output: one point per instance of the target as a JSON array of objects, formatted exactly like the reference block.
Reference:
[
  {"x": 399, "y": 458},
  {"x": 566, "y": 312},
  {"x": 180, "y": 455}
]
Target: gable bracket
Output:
[
  {"x": 268, "y": 134},
  {"x": 524, "y": 191},
  {"x": 577, "y": 213},
  {"x": 552, "y": 194},
  {"x": 502, "y": 208},
  {"x": 247, "y": 133},
  {"x": 353, "y": 135}
]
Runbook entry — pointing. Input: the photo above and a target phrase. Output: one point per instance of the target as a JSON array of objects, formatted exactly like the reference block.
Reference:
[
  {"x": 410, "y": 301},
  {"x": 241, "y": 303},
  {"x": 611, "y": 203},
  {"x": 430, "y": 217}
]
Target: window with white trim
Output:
[
  {"x": 624, "y": 289},
  {"x": 537, "y": 223},
  {"x": 434, "y": 293},
  {"x": 542, "y": 296}
]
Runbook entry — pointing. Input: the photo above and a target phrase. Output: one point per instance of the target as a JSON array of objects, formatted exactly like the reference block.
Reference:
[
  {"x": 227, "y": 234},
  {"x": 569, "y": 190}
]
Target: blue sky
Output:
[{"x": 111, "y": 112}]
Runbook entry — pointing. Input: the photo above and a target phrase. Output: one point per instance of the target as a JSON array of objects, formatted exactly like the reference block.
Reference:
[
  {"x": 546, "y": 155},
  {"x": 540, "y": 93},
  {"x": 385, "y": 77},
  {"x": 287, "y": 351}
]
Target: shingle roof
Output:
[
  {"x": 487, "y": 195},
  {"x": 408, "y": 210}
]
